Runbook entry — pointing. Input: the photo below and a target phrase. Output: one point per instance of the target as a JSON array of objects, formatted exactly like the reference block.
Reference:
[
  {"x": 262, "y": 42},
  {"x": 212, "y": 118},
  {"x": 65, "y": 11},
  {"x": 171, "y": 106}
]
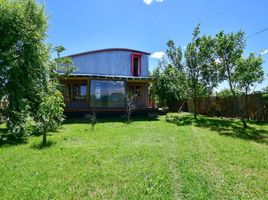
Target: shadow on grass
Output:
[
  {"x": 228, "y": 127},
  {"x": 40, "y": 145},
  {"x": 7, "y": 139},
  {"x": 108, "y": 118}
]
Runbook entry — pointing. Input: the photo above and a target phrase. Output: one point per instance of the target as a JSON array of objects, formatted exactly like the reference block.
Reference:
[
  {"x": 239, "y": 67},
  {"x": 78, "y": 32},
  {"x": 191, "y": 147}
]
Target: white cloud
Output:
[
  {"x": 158, "y": 55},
  {"x": 149, "y": 2},
  {"x": 263, "y": 52}
]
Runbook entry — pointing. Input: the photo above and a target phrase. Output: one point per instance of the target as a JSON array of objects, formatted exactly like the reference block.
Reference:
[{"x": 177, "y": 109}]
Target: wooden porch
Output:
[{"x": 80, "y": 96}]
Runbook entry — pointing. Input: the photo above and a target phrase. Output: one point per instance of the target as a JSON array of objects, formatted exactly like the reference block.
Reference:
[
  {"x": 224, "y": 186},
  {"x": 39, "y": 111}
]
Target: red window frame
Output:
[{"x": 135, "y": 55}]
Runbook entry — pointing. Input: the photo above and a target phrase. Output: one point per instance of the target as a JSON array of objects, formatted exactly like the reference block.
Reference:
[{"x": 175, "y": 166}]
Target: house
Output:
[{"x": 103, "y": 79}]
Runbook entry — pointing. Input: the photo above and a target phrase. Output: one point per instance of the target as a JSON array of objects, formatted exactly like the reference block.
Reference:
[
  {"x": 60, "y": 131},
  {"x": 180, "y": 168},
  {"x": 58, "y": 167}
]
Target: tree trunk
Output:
[
  {"x": 238, "y": 104},
  {"x": 128, "y": 116},
  {"x": 246, "y": 104},
  {"x": 244, "y": 122},
  {"x": 195, "y": 112},
  {"x": 45, "y": 136},
  {"x": 181, "y": 106},
  {"x": 242, "y": 117}
]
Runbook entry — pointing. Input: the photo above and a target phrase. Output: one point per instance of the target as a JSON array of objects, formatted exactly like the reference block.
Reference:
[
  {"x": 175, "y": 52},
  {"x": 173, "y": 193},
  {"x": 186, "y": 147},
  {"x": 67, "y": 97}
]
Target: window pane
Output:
[
  {"x": 138, "y": 91},
  {"x": 76, "y": 90},
  {"x": 83, "y": 90},
  {"x": 68, "y": 88},
  {"x": 107, "y": 94}
]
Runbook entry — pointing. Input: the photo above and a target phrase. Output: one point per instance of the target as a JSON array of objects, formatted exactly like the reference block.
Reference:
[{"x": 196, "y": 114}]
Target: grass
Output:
[{"x": 181, "y": 158}]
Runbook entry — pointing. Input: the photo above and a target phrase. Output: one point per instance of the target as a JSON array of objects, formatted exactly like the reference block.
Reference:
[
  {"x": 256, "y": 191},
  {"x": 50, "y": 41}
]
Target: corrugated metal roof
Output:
[
  {"x": 120, "y": 77},
  {"x": 109, "y": 49}
]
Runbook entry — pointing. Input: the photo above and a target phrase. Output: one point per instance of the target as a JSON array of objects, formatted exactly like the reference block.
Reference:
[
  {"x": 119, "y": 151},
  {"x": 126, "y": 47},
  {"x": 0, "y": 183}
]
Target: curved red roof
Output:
[{"x": 109, "y": 49}]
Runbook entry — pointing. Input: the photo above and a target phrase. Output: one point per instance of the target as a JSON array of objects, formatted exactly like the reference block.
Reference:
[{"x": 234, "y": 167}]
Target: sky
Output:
[{"x": 147, "y": 25}]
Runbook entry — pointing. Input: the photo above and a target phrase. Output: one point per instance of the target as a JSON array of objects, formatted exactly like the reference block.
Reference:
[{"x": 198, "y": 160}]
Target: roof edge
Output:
[{"x": 108, "y": 49}]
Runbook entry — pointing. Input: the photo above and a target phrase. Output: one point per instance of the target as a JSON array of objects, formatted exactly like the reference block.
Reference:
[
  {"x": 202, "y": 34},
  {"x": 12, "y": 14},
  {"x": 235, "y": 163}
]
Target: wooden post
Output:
[
  {"x": 88, "y": 89},
  {"x": 71, "y": 84},
  {"x": 153, "y": 100}
]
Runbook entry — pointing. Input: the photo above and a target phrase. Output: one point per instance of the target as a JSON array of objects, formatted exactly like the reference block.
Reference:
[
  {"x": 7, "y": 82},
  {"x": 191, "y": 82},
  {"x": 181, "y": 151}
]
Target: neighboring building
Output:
[{"x": 105, "y": 77}]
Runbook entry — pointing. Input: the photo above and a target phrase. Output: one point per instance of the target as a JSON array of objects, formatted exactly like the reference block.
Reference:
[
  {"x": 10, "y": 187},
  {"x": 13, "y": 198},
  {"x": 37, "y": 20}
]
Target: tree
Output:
[
  {"x": 59, "y": 49},
  {"x": 51, "y": 108},
  {"x": 170, "y": 84},
  {"x": 93, "y": 119},
  {"x": 247, "y": 74},
  {"x": 62, "y": 65},
  {"x": 130, "y": 105},
  {"x": 23, "y": 59},
  {"x": 224, "y": 93},
  {"x": 175, "y": 55},
  {"x": 201, "y": 72},
  {"x": 50, "y": 112},
  {"x": 229, "y": 49},
  {"x": 265, "y": 90}
]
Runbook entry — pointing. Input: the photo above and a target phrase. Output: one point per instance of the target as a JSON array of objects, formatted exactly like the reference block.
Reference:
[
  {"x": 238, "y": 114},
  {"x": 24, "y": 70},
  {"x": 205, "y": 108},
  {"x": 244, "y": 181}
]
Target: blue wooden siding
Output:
[{"x": 108, "y": 63}]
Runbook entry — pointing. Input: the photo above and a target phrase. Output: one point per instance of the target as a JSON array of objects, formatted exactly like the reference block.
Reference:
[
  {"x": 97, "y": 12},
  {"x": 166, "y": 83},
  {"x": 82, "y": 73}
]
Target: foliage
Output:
[
  {"x": 240, "y": 73},
  {"x": 62, "y": 65},
  {"x": 188, "y": 159},
  {"x": 59, "y": 49},
  {"x": 50, "y": 112},
  {"x": 175, "y": 55},
  {"x": 23, "y": 59},
  {"x": 201, "y": 72},
  {"x": 229, "y": 49},
  {"x": 265, "y": 90},
  {"x": 178, "y": 81},
  {"x": 26, "y": 71},
  {"x": 227, "y": 92},
  {"x": 248, "y": 73},
  {"x": 170, "y": 85}
]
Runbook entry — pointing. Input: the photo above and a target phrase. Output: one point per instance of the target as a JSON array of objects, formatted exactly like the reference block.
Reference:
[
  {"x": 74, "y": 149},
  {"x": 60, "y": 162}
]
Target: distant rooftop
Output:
[{"x": 110, "y": 49}]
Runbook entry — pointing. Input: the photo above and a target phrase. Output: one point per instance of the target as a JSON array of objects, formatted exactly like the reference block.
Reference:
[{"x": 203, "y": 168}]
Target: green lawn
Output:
[{"x": 209, "y": 158}]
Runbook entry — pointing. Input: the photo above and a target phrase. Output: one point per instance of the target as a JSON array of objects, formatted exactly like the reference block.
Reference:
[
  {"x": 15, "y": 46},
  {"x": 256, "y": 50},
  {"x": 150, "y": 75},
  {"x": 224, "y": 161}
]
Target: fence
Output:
[{"x": 257, "y": 108}]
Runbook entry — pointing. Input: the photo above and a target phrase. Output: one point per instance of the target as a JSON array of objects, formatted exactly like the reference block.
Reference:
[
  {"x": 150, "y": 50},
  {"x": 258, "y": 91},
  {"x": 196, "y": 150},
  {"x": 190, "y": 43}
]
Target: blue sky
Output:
[{"x": 147, "y": 25}]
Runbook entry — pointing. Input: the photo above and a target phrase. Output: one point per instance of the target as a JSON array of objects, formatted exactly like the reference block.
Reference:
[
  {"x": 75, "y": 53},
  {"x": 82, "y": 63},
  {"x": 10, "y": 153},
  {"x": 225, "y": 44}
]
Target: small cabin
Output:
[{"x": 104, "y": 78}]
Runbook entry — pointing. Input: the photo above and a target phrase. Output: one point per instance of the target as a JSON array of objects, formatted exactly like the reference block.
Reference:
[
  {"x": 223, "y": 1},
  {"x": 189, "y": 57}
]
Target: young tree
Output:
[
  {"x": 170, "y": 85},
  {"x": 130, "y": 105},
  {"x": 51, "y": 108},
  {"x": 229, "y": 49},
  {"x": 201, "y": 72},
  {"x": 247, "y": 74},
  {"x": 50, "y": 112},
  {"x": 93, "y": 119}
]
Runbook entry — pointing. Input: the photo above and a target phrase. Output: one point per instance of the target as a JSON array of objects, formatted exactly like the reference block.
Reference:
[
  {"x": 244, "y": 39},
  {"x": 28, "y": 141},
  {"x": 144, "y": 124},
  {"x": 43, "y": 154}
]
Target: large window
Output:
[
  {"x": 107, "y": 94},
  {"x": 76, "y": 91},
  {"x": 80, "y": 91}
]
